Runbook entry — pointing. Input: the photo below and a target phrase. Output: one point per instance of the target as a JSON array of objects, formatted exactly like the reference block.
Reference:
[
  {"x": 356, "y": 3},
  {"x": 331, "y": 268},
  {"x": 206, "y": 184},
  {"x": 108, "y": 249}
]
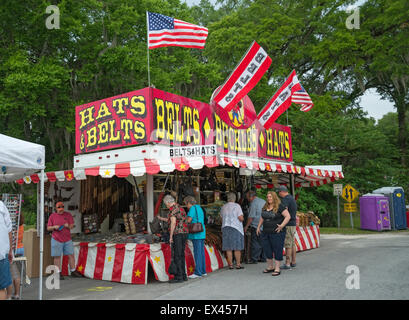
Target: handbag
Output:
[{"x": 195, "y": 227}]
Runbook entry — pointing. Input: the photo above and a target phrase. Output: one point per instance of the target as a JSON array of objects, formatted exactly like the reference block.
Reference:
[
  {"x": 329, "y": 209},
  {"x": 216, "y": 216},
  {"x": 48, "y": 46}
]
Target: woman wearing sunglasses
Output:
[{"x": 60, "y": 223}]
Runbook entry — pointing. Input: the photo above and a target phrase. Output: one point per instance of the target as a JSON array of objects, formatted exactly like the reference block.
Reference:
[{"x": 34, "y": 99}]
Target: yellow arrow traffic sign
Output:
[{"x": 349, "y": 193}]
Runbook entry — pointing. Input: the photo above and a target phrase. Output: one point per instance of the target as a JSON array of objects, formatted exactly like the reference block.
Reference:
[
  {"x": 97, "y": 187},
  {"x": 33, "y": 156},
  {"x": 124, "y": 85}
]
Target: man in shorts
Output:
[
  {"x": 288, "y": 201},
  {"x": 6, "y": 251},
  {"x": 60, "y": 223}
]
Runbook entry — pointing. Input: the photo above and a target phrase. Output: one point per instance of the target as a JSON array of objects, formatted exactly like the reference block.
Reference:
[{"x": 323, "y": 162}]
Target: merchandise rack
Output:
[{"x": 13, "y": 205}]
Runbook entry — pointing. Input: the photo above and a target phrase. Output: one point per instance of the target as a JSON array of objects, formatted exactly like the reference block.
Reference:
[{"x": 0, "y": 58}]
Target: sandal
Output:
[
  {"x": 275, "y": 273},
  {"x": 239, "y": 267},
  {"x": 268, "y": 270},
  {"x": 231, "y": 267}
]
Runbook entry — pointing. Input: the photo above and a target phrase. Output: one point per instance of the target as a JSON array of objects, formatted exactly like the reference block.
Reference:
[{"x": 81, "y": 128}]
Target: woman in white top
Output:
[
  {"x": 232, "y": 230},
  {"x": 6, "y": 250}
]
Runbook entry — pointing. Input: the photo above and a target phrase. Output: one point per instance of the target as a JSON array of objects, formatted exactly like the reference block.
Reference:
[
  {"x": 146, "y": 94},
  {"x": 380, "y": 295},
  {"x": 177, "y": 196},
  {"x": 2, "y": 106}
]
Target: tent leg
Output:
[{"x": 40, "y": 284}]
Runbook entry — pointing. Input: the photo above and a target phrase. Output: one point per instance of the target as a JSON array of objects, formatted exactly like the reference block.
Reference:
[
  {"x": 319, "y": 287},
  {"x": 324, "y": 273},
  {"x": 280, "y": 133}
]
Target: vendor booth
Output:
[
  {"x": 20, "y": 158},
  {"x": 134, "y": 148}
]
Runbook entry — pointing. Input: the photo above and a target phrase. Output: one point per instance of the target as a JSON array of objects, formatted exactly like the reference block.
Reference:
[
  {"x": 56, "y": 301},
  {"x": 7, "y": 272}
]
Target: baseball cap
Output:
[{"x": 282, "y": 188}]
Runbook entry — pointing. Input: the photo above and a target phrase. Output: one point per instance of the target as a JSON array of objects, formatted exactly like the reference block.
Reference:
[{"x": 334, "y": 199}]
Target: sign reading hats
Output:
[{"x": 154, "y": 116}]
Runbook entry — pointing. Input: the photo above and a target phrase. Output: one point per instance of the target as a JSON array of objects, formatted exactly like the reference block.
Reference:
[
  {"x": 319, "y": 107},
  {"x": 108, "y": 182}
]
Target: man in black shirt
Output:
[{"x": 288, "y": 202}]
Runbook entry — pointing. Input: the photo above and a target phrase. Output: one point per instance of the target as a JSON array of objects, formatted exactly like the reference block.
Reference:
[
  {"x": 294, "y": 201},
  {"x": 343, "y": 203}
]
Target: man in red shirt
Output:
[{"x": 60, "y": 223}]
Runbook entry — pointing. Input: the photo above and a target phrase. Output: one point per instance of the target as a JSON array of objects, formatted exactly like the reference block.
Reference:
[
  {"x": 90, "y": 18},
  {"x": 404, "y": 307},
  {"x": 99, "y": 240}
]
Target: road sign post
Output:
[
  {"x": 338, "y": 192},
  {"x": 338, "y": 213}
]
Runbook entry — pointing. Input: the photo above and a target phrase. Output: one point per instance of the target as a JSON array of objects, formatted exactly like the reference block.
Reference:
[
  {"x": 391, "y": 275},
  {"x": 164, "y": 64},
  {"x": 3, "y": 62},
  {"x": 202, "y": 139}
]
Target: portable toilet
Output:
[
  {"x": 397, "y": 210},
  {"x": 374, "y": 212},
  {"x": 407, "y": 216}
]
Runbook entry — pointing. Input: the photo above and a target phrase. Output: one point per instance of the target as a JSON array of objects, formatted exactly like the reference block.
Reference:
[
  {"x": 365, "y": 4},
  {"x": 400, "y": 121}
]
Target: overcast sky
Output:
[{"x": 370, "y": 102}]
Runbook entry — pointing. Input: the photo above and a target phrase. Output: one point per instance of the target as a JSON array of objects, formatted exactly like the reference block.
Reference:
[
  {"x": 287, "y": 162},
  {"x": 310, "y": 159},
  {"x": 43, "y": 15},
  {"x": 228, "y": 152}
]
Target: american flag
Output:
[
  {"x": 301, "y": 97},
  {"x": 164, "y": 31}
]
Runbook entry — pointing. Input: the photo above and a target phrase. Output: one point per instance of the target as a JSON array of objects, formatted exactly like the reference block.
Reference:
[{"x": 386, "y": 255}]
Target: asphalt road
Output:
[{"x": 380, "y": 266}]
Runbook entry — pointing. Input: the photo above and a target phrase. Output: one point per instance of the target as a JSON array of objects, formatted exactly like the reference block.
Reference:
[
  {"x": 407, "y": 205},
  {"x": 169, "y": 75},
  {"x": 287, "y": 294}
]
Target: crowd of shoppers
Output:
[{"x": 271, "y": 225}]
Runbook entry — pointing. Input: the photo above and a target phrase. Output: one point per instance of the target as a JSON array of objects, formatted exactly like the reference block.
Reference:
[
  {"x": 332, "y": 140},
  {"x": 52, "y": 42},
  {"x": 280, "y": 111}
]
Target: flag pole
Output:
[{"x": 147, "y": 47}]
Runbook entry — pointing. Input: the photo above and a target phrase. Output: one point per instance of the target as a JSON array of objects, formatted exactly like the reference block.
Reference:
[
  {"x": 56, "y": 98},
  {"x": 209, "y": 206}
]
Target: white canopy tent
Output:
[{"x": 20, "y": 158}]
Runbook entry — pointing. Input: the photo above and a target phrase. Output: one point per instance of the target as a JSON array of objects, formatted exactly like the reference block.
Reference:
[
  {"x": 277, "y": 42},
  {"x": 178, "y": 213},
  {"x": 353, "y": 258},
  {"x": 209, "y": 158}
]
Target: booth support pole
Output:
[
  {"x": 292, "y": 184},
  {"x": 40, "y": 284},
  {"x": 149, "y": 200}
]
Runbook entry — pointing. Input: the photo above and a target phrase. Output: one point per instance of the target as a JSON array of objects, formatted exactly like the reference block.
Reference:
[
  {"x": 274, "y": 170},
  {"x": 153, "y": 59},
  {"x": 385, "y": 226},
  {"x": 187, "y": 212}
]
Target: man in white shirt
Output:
[{"x": 6, "y": 252}]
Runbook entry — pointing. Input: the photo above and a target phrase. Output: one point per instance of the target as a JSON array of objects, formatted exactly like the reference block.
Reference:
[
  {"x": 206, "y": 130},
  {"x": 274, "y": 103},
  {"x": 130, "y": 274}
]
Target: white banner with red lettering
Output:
[
  {"x": 245, "y": 76},
  {"x": 280, "y": 101}
]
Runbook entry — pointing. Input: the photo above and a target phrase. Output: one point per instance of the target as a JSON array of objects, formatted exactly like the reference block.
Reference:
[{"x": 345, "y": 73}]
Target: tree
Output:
[
  {"x": 384, "y": 42},
  {"x": 99, "y": 51}
]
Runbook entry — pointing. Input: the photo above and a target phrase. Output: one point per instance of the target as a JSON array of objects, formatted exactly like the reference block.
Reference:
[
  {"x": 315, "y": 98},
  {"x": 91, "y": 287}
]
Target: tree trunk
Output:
[{"x": 401, "y": 108}]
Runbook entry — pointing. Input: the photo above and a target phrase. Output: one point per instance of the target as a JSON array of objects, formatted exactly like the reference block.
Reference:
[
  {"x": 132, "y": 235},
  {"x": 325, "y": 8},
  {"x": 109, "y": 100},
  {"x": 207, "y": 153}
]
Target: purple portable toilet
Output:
[{"x": 374, "y": 211}]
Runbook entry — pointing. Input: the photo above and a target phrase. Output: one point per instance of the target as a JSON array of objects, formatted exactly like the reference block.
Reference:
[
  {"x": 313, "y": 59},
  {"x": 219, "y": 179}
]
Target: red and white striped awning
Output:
[
  {"x": 304, "y": 177},
  {"x": 123, "y": 170},
  {"x": 152, "y": 159}
]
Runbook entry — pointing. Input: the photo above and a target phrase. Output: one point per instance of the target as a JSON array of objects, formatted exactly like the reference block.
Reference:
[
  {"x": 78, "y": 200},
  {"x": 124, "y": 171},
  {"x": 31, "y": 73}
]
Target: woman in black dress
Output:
[{"x": 271, "y": 226}]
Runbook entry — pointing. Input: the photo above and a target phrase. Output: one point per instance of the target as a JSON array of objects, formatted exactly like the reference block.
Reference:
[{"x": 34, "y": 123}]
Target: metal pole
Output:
[
  {"x": 292, "y": 183},
  {"x": 147, "y": 47},
  {"x": 352, "y": 221},
  {"x": 338, "y": 212},
  {"x": 18, "y": 224},
  {"x": 149, "y": 199},
  {"x": 40, "y": 284}
]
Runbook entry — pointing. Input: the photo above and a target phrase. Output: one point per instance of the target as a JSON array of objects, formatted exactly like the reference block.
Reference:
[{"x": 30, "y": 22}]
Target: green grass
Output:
[
  {"x": 355, "y": 230},
  {"x": 345, "y": 226},
  {"x": 28, "y": 227}
]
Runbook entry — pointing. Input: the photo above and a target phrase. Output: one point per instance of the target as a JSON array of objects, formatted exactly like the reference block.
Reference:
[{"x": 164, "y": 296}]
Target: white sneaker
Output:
[
  {"x": 204, "y": 274},
  {"x": 193, "y": 276}
]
